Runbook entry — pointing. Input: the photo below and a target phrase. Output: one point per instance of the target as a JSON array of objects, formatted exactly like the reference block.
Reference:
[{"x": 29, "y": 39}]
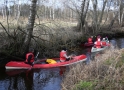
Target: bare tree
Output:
[
  {"x": 113, "y": 20},
  {"x": 53, "y": 9},
  {"x": 3, "y": 14},
  {"x": 84, "y": 9},
  {"x": 102, "y": 12},
  {"x": 121, "y": 12},
  {"x": 30, "y": 26},
  {"x": 95, "y": 14},
  {"x": 115, "y": 13},
  {"x": 18, "y": 11}
]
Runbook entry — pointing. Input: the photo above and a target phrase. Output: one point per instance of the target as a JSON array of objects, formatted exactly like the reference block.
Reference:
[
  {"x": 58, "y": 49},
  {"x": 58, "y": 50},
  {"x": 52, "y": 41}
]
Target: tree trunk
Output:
[
  {"x": 15, "y": 9},
  {"x": 84, "y": 9},
  {"x": 53, "y": 13},
  {"x": 81, "y": 21},
  {"x": 112, "y": 22},
  {"x": 3, "y": 14},
  {"x": 30, "y": 26},
  {"x": 50, "y": 13},
  {"x": 121, "y": 12},
  {"x": 95, "y": 15},
  {"x": 84, "y": 16},
  {"x": 18, "y": 12},
  {"x": 101, "y": 16}
]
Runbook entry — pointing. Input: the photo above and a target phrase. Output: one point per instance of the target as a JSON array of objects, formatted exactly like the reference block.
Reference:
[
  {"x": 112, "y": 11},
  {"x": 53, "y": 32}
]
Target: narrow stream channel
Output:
[{"x": 41, "y": 79}]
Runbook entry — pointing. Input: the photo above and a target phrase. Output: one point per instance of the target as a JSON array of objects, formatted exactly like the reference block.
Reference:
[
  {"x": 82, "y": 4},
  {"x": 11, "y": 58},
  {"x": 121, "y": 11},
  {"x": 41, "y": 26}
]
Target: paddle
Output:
[
  {"x": 71, "y": 56},
  {"x": 35, "y": 59}
]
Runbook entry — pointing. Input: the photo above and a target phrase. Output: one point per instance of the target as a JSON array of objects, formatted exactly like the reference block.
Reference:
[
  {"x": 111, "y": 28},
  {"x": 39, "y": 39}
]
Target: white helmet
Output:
[
  {"x": 98, "y": 39},
  {"x": 103, "y": 38}
]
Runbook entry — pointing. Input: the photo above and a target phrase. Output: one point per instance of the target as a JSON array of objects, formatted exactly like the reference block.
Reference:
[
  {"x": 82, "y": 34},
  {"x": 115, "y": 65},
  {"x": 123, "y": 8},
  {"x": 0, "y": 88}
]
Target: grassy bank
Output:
[{"x": 106, "y": 72}]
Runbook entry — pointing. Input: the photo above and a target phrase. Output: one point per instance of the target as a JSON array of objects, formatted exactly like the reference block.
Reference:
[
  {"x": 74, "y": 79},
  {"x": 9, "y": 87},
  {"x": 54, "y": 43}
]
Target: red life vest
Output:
[
  {"x": 98, "y": 44},
  {"x": 62, "y": 58},
  {"x": 104, "y": 43},
  {"x": 90, "y": 40},
  {"x": 32, "y": 59}
]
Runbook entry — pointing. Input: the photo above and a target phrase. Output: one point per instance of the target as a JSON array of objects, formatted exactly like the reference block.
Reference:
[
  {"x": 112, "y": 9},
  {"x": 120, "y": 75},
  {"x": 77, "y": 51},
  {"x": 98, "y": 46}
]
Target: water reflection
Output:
[
  {"x": 113, "y": 42},
  {"x": 37, "y": 79},
  {"x": 88, "y": 54},
  {"x": 12, "y": 83},
  {"x": 118, "y": 42},
  {"x": 47, "y": 79}
]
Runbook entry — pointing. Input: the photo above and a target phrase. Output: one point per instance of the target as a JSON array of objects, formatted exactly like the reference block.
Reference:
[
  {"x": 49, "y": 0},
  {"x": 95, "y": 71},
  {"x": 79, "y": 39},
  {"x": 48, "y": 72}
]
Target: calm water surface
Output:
[{"x": 40, "y": 79}]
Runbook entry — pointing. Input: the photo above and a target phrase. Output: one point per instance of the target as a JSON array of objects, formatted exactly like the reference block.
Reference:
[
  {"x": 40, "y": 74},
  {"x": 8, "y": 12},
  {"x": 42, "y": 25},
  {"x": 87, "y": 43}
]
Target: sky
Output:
[
  {"x": 10, "y": 2},
  {"x": 55, "y": 3}
]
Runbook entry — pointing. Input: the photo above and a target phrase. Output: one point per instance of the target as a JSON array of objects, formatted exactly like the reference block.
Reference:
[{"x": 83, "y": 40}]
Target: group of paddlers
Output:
[
  {"x": 99, "y": 42},
  {"x": 63, "y": 56}
]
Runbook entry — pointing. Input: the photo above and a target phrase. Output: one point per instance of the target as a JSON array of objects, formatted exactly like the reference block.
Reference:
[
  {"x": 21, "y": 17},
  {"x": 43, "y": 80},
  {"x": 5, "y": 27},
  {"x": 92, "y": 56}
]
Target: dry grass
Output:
[
  {"x": 46, "y": 30},
  {"x": 106, "y": 72},
  {"x": 22, "y": 21}
]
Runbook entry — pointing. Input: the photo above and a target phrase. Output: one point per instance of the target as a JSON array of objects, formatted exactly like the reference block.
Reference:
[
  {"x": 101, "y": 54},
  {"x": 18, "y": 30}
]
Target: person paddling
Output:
[
  {"x": 63, "y": 55},
  {"x": 103, "y": 42},
  {"x": 106, "y": 38},
  {"x": 30, "y": 57},
  {"x": 98, "y": 43},
  {"x": 90, "y": 39},
  {"x": 98, "y": 37}
]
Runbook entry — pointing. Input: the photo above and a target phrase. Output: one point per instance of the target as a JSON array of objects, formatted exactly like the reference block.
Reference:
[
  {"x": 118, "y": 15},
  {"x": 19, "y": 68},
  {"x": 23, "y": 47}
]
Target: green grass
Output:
[
  {"x": 108, "y": 62},
  {"x": 120, "y": 62},
  {"x": 84, "y": 85}
]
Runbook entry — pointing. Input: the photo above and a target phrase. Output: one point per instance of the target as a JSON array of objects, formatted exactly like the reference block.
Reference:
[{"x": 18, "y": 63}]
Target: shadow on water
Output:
[{"x": 42, "y": 79}]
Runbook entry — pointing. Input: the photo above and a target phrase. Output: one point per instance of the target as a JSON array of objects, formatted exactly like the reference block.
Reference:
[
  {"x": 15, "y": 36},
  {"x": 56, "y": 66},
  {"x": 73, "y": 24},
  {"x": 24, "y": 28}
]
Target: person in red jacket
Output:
[
  {"x": 98, "y": 37},
  {"x": 90, "y": 39},
  {"x": 30, "y": 57},
  {"x": 103, "y": 42},
  {"x": 98, "y": 43},
  {"x": 63, "y": 55}
]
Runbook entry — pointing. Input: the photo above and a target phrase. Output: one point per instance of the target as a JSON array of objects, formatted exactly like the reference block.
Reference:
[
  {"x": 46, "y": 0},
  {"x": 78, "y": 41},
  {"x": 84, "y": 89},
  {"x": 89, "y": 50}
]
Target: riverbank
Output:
[
  {"x": 49, "y": 38},
  {"x": 114, "y": 32},
  {"x": 105, "y": 72}
]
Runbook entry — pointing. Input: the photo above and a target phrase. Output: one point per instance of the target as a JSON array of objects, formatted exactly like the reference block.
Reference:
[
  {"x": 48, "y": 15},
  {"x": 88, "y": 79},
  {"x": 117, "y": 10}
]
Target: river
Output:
[{"x": 40, "y": 79}]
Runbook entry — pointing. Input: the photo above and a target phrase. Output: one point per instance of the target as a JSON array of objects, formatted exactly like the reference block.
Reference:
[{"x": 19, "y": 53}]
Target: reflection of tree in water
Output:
[
  {"x": 16, "y": 83},
  {"x": 45, "y": 76},
  {"x": 41, "y": 79}
]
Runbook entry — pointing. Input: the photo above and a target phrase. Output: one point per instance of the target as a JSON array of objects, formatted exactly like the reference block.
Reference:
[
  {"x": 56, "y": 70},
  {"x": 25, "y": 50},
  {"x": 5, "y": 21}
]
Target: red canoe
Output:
[
  {"x": 15, "y": 71},
  {"x": 42, "y": 64}
]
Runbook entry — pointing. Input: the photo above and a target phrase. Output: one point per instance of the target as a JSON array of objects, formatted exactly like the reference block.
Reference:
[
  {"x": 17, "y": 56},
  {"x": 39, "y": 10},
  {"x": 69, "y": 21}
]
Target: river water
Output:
[{"x": 40, "y": 79}]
